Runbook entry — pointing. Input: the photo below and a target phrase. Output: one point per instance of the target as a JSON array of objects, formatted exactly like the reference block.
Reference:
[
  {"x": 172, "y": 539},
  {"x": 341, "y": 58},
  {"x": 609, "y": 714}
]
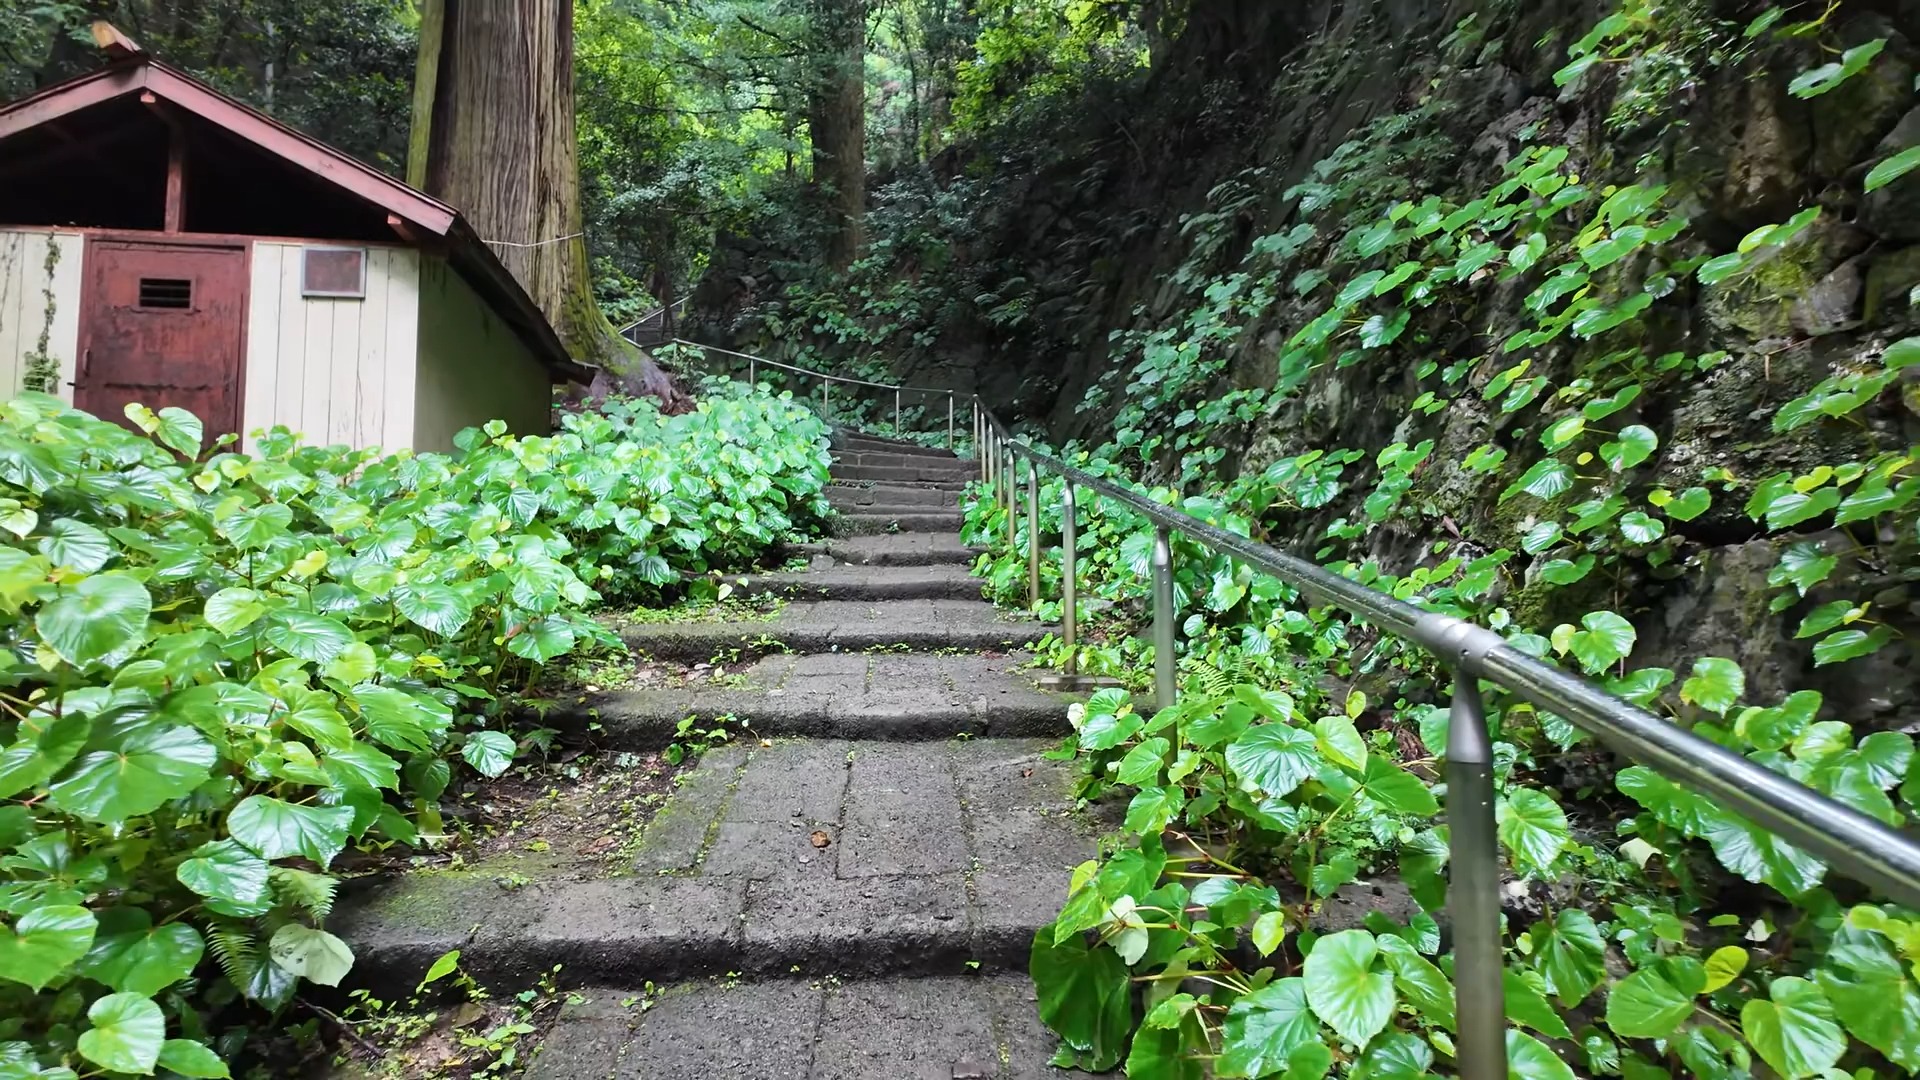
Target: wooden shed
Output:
[{"x": 165, "y": 244}]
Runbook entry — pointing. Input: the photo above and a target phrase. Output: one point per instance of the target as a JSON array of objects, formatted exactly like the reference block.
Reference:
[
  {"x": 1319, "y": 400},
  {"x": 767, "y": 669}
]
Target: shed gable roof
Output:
[{"x": 416, "y": 215}]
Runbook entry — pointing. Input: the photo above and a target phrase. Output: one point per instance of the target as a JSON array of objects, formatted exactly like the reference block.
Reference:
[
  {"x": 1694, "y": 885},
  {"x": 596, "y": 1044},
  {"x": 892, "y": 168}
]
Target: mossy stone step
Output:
[
  {"x": 843, "y": 626},
  {"x": 843, "y": 696},
  {"x": 866, "y": 583},
  {"x": 971, "y": 1027},
  {"x": 802, "y": 857},
  {"x": 894, "y": 549}
]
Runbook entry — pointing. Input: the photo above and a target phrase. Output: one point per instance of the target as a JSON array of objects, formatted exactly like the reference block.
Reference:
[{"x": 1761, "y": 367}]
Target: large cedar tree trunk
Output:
[
  {"x": 838, "y": 118},
  {"x": 493, "y": 134}
]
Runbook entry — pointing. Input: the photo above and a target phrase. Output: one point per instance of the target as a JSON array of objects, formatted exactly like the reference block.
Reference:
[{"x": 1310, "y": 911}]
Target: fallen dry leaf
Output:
[
  {"x": 1026, "y": 773},
  {"x": 820, "y": 838}
]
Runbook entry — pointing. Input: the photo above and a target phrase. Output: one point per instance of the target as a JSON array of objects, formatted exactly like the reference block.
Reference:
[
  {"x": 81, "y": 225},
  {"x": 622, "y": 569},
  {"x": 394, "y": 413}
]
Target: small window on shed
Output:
[{"x": 334, "y": 271}]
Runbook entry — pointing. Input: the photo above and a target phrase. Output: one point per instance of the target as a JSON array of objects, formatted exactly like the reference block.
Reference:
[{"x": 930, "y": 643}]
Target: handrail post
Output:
[
  {"x": 949, "y": 421},
  {"x": 1166, "y": 688},
  {"x": 753, "y": 367},
  {"x": 1033, "y": 536},
  {"x": 1474, "y": 894},
  {"x": 896, "y": 412},
  {"x": 1069, "y": 599},
  {"x": 1013, "y": 499},
  {"x": 826, "y": 399}
]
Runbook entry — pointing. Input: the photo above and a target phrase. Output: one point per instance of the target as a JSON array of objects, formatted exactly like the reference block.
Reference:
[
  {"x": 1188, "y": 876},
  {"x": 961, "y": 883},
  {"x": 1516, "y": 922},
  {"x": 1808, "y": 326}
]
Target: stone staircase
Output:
[{"x": 851, "y": 893}]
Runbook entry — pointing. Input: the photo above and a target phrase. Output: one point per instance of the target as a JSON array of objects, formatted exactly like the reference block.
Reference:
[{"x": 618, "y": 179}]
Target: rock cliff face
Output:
[{"x": 1124, "y": 241}]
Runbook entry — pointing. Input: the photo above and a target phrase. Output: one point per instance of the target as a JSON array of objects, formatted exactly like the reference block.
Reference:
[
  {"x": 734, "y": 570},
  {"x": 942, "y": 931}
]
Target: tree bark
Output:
[
  {"x": 493, "y": 134},
  {"x": 837, "y": 116}
]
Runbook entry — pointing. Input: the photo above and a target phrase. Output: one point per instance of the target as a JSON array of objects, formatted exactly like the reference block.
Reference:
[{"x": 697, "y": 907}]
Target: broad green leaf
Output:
[
  {"x": 185, "y": 1057},
  {"x": 435, "y": 608},
  {"x": 1152, "y": 809},
  {"x": 542, "y": 640},
  {"x": 1828, "y": 616},
  {"x": 252, "y": 528},
  {"x": 1639, "y": 527},
  {"x": 1533, "y": 827},
  {"x": 126, "y": 1034},
  {"x": 180, "y": 430},
  {"x": 130, "y": 953},
  {"x": 1873, "y": 995},
  {"x": 1794, "y": 1032},
  {"x": 41, "y": 752},
  {"x": 1716, "y": 685},
  {"x": 310, "y": 637},
  {"x": 1819, "y": 80},
  {"x": 101, "y": 620},
  {"x": 1607, "y": 640},
  {"x": 1689, "y": 504},
  {"x": 1635, "y": 444},
  {"x": 1163, "y": 1054},
  {"x": 1340, "y": 741},
  {"x": 1269, "y": 930},
  {"x": 1725, "y": 965},
  {"x": 142, "y": 765},
  {"x": 1085, "y": 996},
  {"x": 274, "y": 829},
  {"x": 1644, "y": 1005},
  {"x": 76, "y": 545},
  {"x": 233, "y": 610},
  {"x": 1422, "y": 984},
  {"x": 1397, "y": 789},
  {"x": 1547, "y": 479},
  {"x": 1264, "y": 1027},
  {"x": 44, "y": 943},
  {"x": 1527, "y": 1007},
  {"x": 1571, "y": 953},
  {"x": 1530, "y": 1059},
  {"x": 1887, "y": 756},
  {"x": 1142, "y": 765},
  {"x": 1846, "y": 645},
  {"x": 233, "y": 879},
  {"x": 313, "y": 955},
  {"x": 1275, "y": 757},
  {"x": 1344, "y": 989},
  {"x": 489, "y": 752},
  {"x": 1761, "y": 856}
]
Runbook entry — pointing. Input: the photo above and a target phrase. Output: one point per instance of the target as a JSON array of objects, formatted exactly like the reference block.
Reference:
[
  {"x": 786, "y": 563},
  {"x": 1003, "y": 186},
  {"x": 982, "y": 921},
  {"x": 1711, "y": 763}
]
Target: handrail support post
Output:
[
  {"x": 1033, "y": 536},
  {"x": 1474, "y": 894},
  {"x": 1070, "y": 584},
  {"x": 1165, "y": 684}
]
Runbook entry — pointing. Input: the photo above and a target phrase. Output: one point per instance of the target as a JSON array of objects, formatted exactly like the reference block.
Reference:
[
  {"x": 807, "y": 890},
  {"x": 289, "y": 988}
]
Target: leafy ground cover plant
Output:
[
  {"x": 1649, "y": 932},
  {"x": 219, "y": 671}
]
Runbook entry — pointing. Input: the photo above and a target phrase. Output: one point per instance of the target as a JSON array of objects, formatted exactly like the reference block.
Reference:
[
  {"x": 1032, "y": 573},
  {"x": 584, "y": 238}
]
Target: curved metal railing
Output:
[
  {"x": 1853, "y": 843},
  {"x": 755, "y": 363}
]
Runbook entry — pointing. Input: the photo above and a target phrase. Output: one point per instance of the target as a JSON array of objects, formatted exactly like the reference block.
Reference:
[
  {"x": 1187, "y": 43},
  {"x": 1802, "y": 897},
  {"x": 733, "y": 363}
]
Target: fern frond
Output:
[
  {"x": 235, "y": 950},
  {"x": 312, "y": 893}
]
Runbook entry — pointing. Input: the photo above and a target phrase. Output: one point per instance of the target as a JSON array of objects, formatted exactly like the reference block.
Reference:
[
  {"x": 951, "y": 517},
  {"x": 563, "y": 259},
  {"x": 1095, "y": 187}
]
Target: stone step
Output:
[
  {"x": 825, "y": 626},
  {"x": 900, "y": 469},
  {"x": 896, "y": 549},
  {"x": 871, "y": 520},
  {"x": 949, "y": 581},
  {"x": 851, "y": 497},
  {"x": 882, "y": 696},
  {"x": 942, "y": 1028},
  {"x": 875, "y": 444},
  {"x": 808, "y": 857}
]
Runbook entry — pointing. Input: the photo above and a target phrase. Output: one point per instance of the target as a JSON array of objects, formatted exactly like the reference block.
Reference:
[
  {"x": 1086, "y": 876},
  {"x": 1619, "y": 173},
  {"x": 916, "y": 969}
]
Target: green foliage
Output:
[{"x": 219, "y": 672}]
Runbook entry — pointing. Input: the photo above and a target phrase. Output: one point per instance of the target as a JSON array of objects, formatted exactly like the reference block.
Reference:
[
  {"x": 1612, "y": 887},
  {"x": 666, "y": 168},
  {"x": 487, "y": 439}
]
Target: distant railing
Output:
[
  {"x": 1855, "y": 844},
  {"x": 655, "y": 326},
  {"x": 755, "y": 363}
]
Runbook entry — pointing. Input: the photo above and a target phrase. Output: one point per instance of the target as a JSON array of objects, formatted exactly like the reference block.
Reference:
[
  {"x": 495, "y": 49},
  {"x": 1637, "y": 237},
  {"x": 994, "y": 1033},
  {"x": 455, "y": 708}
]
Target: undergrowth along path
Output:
[{"x": 849, "y": 891}]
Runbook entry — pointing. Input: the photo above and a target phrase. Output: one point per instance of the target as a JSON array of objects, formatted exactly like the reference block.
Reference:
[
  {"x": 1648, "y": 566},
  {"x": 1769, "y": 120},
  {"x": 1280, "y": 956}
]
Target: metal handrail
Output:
[
  {"x": 1851, "y": 842},
  {"x": 826, "y": 397}
]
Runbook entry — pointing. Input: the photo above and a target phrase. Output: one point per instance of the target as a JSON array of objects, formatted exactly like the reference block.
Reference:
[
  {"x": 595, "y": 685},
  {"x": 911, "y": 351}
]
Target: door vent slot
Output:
[{"x": 167, "y": 293}]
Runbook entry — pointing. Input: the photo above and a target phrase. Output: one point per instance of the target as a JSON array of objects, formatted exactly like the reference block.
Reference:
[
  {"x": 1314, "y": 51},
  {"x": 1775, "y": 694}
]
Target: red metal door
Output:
[{"x": 162, "y": 324}]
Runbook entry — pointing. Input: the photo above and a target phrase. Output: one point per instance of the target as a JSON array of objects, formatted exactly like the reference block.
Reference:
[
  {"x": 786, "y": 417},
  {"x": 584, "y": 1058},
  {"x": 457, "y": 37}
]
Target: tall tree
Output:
[
  {"x": 837, "y": 116},
  {"x": 493, "y": 134}
]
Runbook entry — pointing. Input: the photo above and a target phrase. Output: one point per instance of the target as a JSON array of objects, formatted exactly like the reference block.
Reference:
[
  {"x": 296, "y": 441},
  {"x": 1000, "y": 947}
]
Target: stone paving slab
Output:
[
  {"x": 818, "y": 626},
  {"x": 866, "y": 583},
  {"x": 951, "y": 1028},
  {"x": 886, "y": 520},
  {"x": 855, "y": 443},
  {"x": 904, "y": 470},
  {"x": 814, "y": 856},
  {"x": 848, "y": 496},
  {"x": 894, "y": 549},
  {"x": 882, "y": 696}
]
